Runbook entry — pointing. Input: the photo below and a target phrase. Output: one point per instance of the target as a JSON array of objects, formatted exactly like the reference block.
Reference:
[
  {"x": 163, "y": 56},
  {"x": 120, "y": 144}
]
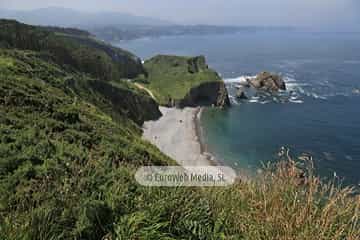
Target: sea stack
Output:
[
  {"x": 267, "y": 82},
  {"x": 240, "y": 93}
]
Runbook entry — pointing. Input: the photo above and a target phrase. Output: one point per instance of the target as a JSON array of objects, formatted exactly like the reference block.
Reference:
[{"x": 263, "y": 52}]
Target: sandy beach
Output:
[{"x": 176, "y": 134}]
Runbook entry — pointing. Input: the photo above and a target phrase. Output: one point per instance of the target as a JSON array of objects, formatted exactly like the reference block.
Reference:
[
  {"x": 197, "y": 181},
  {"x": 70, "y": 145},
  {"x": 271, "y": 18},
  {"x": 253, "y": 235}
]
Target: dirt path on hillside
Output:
[{"x": 146, "y": 89}]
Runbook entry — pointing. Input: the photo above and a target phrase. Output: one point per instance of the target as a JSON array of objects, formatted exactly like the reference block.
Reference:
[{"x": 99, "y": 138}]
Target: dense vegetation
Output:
[
  {"x": 72, "y": 48},
  {"x": 59, "y": 155},
  {"x": 117, "y": 98},
  {"x": 70, "y": 144},
  {"x": 172, "y": 77}
]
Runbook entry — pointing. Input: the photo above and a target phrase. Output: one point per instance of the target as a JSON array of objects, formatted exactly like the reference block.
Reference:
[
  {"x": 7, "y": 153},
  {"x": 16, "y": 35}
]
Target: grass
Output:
[
  {"x": 6, "y": 63},
  {"x": 67, "y": 172},
  {"x": 118, "y": 98},
  {"x": 280, "y": 205},
  {"x": 72, "y": 49},
  {"x": 71, "y": 143},
  {"x": 173, "y": 76},
  {"x": 60, "y": 160}
]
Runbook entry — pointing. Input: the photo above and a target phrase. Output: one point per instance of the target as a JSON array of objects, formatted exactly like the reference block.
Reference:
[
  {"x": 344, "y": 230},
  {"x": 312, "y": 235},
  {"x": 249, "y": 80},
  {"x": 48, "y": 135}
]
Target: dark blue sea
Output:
[{"x": 319, "y": 114}]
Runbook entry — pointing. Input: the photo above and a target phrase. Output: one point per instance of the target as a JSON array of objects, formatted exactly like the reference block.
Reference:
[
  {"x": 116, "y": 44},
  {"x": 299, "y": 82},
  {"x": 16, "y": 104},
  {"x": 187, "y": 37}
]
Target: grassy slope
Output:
[
  {"x": 66, "y": 171},
  {"x": 72, "y": 49},
  {"x": 117, "y": 98},
  {"x": 173, "y": 76},
  {"x": 62, "y": 160},
  {"x": 67, "y": 165},
  {"x": 99, "y": 69}
]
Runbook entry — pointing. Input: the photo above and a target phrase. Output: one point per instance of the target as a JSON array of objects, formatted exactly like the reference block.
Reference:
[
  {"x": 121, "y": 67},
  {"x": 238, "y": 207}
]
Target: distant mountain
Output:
[
  {"x": 116, "y": 26},
  {"x": 55, "y": 16},
  {"x": 115, "y": 33}
]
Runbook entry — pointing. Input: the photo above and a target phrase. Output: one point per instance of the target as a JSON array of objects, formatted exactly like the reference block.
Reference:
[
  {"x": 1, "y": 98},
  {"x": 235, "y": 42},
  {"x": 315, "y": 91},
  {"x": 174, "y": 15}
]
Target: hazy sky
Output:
[{"x": 325, "y": 13}]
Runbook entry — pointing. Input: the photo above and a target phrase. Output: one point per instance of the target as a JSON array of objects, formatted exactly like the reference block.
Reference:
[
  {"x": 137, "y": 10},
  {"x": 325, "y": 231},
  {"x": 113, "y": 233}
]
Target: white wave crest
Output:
[
  {"x": 241, "y": 79},
  {"x": 293, "y": 85},
  {"x": 296, "y": 101},
  {"x": 316, "y": 96},
  {"x": 253, "y": 100}
]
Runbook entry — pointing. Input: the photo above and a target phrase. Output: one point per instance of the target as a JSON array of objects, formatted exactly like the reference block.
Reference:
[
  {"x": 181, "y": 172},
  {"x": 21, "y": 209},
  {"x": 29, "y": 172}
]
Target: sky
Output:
[{"x": 308, "y": 13}]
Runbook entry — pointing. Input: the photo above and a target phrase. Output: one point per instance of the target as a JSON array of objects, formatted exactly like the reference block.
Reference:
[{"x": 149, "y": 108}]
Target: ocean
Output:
[{"x": 319, "y": 114}]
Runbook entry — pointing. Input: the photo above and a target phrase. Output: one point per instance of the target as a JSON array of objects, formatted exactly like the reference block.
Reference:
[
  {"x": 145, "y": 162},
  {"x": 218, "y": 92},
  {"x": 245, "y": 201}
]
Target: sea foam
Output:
[
  {"x": 241, "y": 79},
  {"x": 295, "y": 91}
]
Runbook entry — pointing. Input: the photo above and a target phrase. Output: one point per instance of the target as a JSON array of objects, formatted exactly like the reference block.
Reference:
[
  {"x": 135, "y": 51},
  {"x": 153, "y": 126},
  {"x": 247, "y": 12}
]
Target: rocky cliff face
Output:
[
  {"x": 197, "y": 64},
  {"x": 206, "y": 94}
]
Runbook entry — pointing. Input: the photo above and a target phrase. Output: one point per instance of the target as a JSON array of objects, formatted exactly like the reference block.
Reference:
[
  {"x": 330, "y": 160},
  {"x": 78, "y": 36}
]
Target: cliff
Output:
[
  {"x": 206, "y": 94},
  {"x": 185, "y": 81}
]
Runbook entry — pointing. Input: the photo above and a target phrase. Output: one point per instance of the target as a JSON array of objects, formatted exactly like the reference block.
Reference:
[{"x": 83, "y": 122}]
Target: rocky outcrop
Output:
[
  {"x": 197, "y": 64},
  {"x": 356, "y": 91},
  {"x": 206, "y": 94},
  {"x": 268, "y": 82},
  {"x": 240, "y": 93},
  {"x": 185, "y": 81}
]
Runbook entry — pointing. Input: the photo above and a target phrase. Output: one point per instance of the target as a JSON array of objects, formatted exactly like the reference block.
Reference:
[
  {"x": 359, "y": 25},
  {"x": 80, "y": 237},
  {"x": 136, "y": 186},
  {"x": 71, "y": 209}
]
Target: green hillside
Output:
[
  {"x": 71, "y": 48},
  {"x": 171, "y": 78},
  {"x": 117, "y": 98},
  {"x": 70, "y": 143},
  {"x": 62, "y": 160}
]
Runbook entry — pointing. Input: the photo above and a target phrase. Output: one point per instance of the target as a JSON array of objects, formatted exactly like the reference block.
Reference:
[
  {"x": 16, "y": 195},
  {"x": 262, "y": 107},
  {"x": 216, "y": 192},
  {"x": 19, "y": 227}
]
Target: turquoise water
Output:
[{"x": 319, "y": 114}]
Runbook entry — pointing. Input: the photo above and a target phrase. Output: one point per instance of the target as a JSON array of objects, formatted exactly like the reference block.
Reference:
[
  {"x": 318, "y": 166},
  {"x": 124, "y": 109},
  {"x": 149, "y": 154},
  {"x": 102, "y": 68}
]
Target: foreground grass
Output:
[
  {"x": 287, "y": 201},
  {"x": 272, "y": 207}
]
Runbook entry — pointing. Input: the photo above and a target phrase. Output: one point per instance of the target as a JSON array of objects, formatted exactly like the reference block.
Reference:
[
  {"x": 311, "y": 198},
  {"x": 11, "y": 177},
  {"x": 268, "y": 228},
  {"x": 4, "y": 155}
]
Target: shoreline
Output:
[
  {"x": 200, "y": 137},
  {"x": 242, "y": 175},
  {"x": 178, "y": 134}
]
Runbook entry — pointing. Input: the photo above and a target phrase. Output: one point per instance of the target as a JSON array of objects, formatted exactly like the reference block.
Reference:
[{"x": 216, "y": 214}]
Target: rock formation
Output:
[
  {"x": 206, "y": 94},
  {"x": 240, "y": 93},
  {"x": 268, "y": 82},
  {"x": 185, "y": 81}
]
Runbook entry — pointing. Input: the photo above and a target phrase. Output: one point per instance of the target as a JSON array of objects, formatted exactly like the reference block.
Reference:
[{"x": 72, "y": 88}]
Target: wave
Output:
[
  {"x": 253, "y": 100},
  {"x": 233, "y": 100},
  {"x": 296, "y": 101},
  {"x": 316, "y": 96},
  {"x": 297, "y": 91},
  {"x": 299, "y": 88},
  {"x": 241, "y": 79},
  {"x": 293, "y": 85}
]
